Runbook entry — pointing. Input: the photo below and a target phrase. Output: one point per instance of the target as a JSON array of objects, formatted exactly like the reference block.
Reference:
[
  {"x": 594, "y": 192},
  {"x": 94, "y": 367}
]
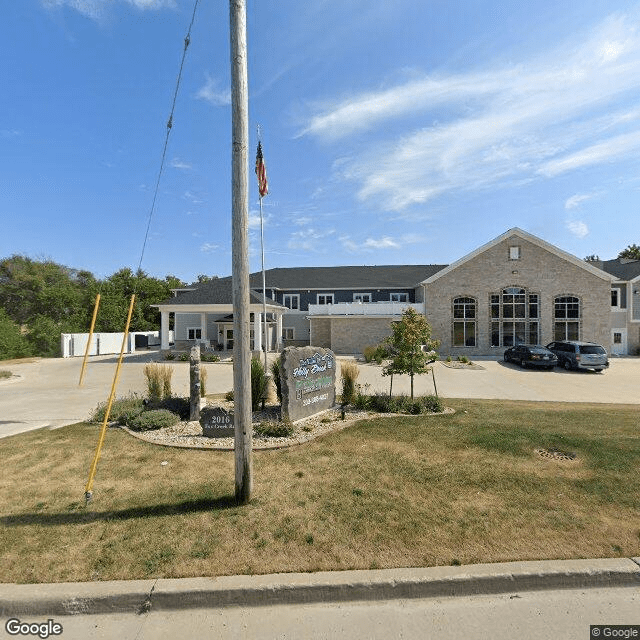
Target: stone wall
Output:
[
  {"x": 320, "y": 332},
  {"x": 352, "y": 335}
]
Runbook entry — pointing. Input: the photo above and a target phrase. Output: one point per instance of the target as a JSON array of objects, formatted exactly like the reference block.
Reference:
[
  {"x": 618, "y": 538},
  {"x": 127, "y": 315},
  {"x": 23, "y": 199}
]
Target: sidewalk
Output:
[{"x": 141, "y": 596}]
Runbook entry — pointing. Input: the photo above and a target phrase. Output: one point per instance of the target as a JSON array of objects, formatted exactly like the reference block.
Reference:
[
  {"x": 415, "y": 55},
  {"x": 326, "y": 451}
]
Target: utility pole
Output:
[{"x": 240, "y": 251}]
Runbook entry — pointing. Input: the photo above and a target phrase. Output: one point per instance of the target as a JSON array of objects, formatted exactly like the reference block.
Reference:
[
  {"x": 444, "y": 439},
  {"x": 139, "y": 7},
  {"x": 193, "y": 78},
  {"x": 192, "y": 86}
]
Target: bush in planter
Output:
[
  {"x": 274, "y": 429},
  {"x": 153, "y": 419},
  {"x": 258, "y": 383},
  {"x": 180, "y": 406},
  {"x": 122, "y": 409},
  {"x": 432, "y": 404},
  {"x": 275, "y": 372}
]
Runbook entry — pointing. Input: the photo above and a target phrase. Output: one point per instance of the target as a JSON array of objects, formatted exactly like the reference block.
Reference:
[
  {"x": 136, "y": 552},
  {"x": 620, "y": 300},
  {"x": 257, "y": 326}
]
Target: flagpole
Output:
[
  {"x": 264, "y": 292},
  {"x": 262, "y": 191}
]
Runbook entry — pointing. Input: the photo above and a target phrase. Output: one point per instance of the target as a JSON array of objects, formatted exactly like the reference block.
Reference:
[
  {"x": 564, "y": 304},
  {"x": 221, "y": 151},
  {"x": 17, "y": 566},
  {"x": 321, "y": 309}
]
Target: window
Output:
[
  {"x": 362, "y": 297},
  {"x": 464, "y": 322},
  {"x": 287, "y": 333},
  {"x": 399, "y": 297},
  {"x": 566, "y": 316},
  {"x": 615, "y": 298},
  {"x": 514, "y": 317},
  {"x": 291, "y": 300},
  {"x": 514, "y": 253},
  {"x": 194, "y": 333},
  {"x": 325, "y": 298}
]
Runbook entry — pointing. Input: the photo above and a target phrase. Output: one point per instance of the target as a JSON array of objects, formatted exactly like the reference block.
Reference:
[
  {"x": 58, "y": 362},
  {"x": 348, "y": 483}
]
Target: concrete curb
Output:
[{"x": 140, "y": 596}]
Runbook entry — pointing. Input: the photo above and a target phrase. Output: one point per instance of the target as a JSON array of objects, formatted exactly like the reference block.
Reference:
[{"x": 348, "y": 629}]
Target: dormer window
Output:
[{"x": 514, "y": 253}]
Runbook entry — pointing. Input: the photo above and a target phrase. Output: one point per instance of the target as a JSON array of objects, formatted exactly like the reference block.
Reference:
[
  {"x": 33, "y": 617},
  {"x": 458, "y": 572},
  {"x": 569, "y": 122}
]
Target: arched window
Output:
[
  {"x": 566, "y": 318},
  {"x": 464, "y": 322},
  {"x": 515, "y": 317}
]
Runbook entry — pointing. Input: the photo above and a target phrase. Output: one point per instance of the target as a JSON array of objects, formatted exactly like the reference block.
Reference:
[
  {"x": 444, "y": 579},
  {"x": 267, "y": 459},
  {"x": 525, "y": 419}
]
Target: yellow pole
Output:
[
  {"x": 92, "y": 474},
  {"x": 86, "y": 352}
]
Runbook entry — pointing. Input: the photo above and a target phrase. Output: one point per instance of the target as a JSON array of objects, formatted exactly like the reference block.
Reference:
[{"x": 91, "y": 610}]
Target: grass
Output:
[
  {"x": 386, "y": 492},
  {"x": 4, "y": 375}
]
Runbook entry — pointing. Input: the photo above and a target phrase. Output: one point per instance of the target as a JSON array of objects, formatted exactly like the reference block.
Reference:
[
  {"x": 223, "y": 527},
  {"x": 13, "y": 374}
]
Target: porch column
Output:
[
  {"x": 164, "y": 330},
  {"x": 278, "y": 332},
  {"x": 203, "y": 326},
  {"x": 257, "y": 332}
]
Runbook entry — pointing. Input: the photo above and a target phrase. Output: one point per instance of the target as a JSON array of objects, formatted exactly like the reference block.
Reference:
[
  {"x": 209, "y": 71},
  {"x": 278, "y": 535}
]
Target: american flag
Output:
[{"x": 261, "y": 172}]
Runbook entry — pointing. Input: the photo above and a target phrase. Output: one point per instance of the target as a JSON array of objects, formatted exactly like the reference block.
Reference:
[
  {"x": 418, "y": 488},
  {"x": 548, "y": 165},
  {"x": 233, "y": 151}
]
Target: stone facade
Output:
[
  {"x": 349, "y": 335},
  {"x": 538, "y": 271}
]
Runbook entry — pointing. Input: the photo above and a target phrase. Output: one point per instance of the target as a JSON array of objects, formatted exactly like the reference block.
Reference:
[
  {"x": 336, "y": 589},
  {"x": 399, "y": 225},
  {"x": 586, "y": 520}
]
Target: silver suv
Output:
[{"x": 580, "y": 355}]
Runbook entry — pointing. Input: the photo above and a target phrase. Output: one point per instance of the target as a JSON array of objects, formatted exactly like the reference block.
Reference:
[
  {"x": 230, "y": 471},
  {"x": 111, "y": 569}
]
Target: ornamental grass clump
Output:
[
  {"x": 158, "y": 381},
  {"x": 349, "y": 372},
  {"x": 203, "y": 382},
  {"x": 274, "y": 429}
]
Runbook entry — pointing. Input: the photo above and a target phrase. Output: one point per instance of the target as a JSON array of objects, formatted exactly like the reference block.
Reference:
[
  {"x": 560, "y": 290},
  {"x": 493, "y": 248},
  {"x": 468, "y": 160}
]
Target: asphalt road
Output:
[{"x": 45, "y": 392}]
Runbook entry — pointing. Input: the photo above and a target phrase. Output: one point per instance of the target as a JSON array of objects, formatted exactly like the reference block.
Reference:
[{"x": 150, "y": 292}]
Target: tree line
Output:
[{"x": 40, "y": 299}]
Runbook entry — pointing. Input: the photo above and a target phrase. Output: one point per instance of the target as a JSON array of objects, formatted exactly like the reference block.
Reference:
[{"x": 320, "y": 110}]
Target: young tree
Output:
[{"x": 411, "y": 345}]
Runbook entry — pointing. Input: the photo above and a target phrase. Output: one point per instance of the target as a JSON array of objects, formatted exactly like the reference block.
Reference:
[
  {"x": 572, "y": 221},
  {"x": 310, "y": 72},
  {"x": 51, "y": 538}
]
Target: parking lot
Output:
[{"x": 45, "y": 392}]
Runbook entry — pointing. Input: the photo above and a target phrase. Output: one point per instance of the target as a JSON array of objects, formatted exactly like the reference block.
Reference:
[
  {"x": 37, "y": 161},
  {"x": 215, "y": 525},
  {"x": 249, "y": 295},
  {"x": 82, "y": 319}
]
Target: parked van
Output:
[{"x": 573, "y": 354}]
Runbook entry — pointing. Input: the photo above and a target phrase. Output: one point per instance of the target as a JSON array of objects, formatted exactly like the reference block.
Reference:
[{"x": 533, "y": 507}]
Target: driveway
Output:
[{"x": 45, "y": 392}]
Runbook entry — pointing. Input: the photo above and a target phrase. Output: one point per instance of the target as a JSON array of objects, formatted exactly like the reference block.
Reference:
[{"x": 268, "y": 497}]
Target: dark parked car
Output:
[
  {"x": 533, "y": 355},
  {"x": 573, "y": 354}
]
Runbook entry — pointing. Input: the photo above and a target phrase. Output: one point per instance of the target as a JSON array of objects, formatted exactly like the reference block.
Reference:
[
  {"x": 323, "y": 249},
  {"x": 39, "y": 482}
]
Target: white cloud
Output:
[
  {"x": 372, "y": 244},
  {"x": 95, "y": 8},
  {"x": 208, "y": 247},
  {"x": 571, "y": 109},
  {"x": 578, "y": 228},
  {"x": 176, "y": 163},
  {"x": 213, "y": 94},
  {"x": 309, "y": 239},
  {"x": 192, "y": 197},
  {"x": 575, "y": 201}
]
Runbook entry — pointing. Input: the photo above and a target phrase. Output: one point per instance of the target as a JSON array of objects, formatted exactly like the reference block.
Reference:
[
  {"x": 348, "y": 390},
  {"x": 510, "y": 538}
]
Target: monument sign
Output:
[{"x": 308, "y": 377}]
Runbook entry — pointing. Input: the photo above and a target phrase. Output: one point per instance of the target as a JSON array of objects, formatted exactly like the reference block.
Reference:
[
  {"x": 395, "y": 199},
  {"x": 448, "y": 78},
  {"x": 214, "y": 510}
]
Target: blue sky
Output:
[{"x": 399, "y": 132}]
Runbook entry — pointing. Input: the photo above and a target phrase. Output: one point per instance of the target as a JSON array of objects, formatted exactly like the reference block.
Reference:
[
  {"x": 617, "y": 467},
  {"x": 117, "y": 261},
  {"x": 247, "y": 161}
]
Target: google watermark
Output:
[
  {"x": 15, "y": 627},
  {"x": 615, "y": 631}
]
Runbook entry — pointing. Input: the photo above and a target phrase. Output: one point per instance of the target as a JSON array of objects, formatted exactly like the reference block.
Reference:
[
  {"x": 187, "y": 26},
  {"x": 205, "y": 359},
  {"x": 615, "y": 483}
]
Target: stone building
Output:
[{"x": 516, "y": 288}]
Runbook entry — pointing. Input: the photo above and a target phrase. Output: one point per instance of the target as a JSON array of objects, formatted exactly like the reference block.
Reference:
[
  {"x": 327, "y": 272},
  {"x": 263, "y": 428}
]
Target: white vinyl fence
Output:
[{"x": 75, "y": 344}]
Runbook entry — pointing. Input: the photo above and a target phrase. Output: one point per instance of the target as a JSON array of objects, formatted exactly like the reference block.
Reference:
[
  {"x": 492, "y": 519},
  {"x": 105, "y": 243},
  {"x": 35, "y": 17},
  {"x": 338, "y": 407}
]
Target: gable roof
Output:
[
  {"x": 217, "y": 291},
  {"x": 519, "y": 233},
  {"x": 622, "y": 268}
]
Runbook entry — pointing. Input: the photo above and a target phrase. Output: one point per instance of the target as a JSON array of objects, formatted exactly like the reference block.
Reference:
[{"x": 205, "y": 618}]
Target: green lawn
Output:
[{"x": 385, "y": 492}]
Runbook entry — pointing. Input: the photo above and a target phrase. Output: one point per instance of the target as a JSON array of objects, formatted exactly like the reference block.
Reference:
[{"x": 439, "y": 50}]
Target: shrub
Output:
[
  {"x": 369, "y": 353},
  {"x": 153, "y": 419},
  {"x": 122, "y": 409},
  {"x": 180, "y": 406},
  {"x": 349, "y": 373},
  {"x": 361, "y": 401},
  {"x": 464, "y": 360},
  {"x": 5, "y": 374},
  {"x": 203, "y": 382},
  {"x": 209, "y": 357},
  {"x": 229, "y": 396},
  {"x": 258, "y": 383},
  {"x": 183, "y": 357},
  {"x": 276, "y": 365},
  {"x": 432, "y": 404},
  {"x": 170, "y": 355},
  {"x": 274, "y": 429}
]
